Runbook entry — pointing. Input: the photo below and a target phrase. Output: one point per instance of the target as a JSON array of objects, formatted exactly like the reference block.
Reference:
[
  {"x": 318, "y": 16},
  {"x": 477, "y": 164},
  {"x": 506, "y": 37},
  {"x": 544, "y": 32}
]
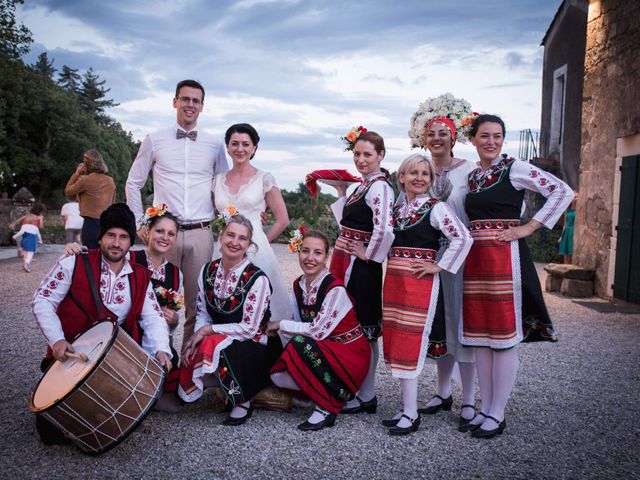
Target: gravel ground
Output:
[{"x": 572, "y": 414}]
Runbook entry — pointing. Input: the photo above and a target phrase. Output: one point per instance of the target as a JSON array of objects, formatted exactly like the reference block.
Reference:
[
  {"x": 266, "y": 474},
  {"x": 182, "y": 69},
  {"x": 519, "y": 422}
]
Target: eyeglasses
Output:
[{"x": 187, "y": 100}]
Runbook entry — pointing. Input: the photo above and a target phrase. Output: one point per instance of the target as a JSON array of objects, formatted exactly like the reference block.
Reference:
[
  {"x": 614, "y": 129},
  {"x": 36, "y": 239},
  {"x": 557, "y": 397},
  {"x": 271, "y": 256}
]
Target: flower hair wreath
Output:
[
  {"x": 222, "y": 220},
  {"x": 157, "y": 210},
  {"x": 352, "y": 136},
  {"x": 296, "y": 238},
  {"x": 458, "y": 110}
]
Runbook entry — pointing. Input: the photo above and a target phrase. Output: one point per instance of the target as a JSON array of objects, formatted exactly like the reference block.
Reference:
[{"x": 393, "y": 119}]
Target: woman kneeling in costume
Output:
[
  {"x": 328, "y": 356},
  {"x": 413, "y": 315},
  {"x": 229, "y": 348}
]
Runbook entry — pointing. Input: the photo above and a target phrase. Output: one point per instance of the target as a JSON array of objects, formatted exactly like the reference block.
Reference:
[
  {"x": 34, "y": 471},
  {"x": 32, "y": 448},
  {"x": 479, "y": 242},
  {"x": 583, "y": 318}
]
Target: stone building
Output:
[
  {"x": 563, "y": 72},
  {"x": 601, "y": 113},
  {"x": 607, "y": 232}
]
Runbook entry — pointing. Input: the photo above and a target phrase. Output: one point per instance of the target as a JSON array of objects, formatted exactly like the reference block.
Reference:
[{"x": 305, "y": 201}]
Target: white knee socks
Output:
[
  {"x": 468, "y": 378},
  {"x": 284, "y": 380},
  {"x": 497, "y": 370},
  {"x": 505, "y": 369},
  {"x": 484, "y": 367},
  {"x": 368, "y": 388},
  {"x": 409, "y": 387}
]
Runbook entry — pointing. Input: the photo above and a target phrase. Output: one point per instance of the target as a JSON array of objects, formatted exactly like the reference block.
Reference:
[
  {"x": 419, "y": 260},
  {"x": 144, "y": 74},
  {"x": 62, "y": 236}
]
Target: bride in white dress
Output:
[{"x": 251, "y": 191}]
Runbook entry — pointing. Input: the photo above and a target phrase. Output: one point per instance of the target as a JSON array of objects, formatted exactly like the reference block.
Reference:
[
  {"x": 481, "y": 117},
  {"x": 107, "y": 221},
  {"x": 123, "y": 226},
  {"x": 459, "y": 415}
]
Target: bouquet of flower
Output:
[
  {"x": 222, "y": 219},
  {"x": 457, "y": 110},
  {"x": 169, "y": 298},
  {"x": 351, "y": 137},
  {"x": 153, "y": 211},
  {"x": 295, "y": 241}
]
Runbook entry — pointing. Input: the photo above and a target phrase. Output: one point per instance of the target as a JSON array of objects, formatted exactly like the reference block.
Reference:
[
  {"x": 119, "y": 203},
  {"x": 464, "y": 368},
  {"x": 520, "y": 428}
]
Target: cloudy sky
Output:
[{"x": 303, "y": 72}]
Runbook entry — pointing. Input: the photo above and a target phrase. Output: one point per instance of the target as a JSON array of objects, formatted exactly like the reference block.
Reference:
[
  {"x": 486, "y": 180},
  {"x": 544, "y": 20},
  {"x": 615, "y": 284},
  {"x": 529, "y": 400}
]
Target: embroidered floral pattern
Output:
[
  {"x": 410, "y": 214},
  {"x": 228, "y": 292},
  {"x": 480, "y": 180}
]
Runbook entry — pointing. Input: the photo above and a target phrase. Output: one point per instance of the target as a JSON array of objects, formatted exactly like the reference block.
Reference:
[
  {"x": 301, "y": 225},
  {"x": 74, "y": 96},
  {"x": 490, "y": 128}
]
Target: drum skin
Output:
[{"x": 112, "y": 399}]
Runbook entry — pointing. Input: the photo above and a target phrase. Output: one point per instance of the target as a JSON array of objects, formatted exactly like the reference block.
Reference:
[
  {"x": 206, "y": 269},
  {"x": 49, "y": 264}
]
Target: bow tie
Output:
[{"x": 192, "y": 135}]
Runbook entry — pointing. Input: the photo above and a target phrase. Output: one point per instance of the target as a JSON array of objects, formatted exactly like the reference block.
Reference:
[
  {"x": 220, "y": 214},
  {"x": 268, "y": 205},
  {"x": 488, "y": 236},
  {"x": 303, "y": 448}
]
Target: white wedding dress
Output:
[{"x": 250, "y": 202}]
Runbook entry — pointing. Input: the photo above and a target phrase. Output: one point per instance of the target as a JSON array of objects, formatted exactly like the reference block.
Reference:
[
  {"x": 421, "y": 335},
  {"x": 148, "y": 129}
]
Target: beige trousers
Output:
[{"x": 192, "y": 250}]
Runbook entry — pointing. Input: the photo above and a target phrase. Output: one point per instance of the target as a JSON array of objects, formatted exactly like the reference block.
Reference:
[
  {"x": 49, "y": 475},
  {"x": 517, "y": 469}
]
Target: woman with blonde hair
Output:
[
  {"x": 413, "y": 322},
  {"x": 95, "y": 190},
  {"x": 437, "y": 125}
]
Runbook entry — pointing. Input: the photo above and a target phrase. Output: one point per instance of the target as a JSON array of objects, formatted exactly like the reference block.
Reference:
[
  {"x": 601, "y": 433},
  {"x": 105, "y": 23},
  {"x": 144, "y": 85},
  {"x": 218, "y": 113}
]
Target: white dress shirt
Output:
[
  {"x": 182, "y": 173},
  {"x": 116, "y": 296}
]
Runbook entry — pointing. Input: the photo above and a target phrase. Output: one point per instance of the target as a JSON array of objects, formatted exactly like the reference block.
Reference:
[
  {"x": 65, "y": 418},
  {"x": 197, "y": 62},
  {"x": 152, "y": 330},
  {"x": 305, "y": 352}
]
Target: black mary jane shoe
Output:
[
  {"x": 370, "y": 407},
  {"x": 329, "y": 420},
  {"x": 470, "y": 427},
  {"x": 415, "y": 423},
  {"x": 480, "y": 433},
  {"x": 463, "y": 421},
  {"x": 444, "y": 405},
  {"x": 390, "y": 422},
  {"x": 235, "y": 421}
]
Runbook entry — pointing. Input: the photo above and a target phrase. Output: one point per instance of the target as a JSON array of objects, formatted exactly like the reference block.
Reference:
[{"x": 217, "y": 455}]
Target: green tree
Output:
[
  {"x": 93, "y": 96},
  {"x": 15, "y": 40},
  {"x": 69, "y": 79},
  {"x": 43, "y": 66}
]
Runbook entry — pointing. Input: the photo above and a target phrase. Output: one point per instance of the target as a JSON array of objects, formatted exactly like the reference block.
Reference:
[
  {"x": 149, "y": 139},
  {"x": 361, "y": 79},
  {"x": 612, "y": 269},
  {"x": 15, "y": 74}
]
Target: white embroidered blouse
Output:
[
  {"x": 334, "y": 307},
  {"x": 523, "y": 175},
  {"x": 444, "y": 219},
  {"x": 379, "y": 199},
  {"x": 255, "y": 305},
  {"x": 116, "y": 296}
]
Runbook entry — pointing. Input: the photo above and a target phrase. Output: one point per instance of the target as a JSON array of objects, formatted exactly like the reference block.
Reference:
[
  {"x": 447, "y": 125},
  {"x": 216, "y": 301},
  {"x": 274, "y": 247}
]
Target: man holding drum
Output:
[{"x": 66, "y": 303}]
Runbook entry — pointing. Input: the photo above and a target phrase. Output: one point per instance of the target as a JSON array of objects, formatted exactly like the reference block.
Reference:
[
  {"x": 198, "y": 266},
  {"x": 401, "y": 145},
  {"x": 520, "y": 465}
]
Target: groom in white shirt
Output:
[{"x": 184, "y": 161}]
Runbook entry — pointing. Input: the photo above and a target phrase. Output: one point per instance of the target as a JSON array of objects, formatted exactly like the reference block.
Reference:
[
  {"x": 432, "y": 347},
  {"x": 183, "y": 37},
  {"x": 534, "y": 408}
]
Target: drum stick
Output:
[{"x": 78, "y": 356}]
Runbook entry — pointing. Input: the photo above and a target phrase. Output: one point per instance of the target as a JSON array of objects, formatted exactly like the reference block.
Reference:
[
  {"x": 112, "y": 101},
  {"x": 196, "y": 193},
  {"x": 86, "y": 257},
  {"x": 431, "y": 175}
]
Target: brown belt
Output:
[{"x": 191, "y": 226}]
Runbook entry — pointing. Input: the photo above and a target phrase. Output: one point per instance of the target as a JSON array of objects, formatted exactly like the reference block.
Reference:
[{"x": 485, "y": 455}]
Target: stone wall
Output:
[
  {"x": 564, "y": 46},
  {"x": 610, "y": 111}
]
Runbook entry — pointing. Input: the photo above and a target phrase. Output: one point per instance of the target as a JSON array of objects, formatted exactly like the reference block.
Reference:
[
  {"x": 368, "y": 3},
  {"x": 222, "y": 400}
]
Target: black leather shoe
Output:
[
  {"x": 463, "y": 420},
  {"x": 415, "y": 423},
  {"x": 470, "y": 427},
  {"x": 370, "y": 407},
  {"x": 480, "y": 433},
  {"x": 445, "y": 405},
  {"x": 234, "y": 422},
  {"x": 329, "y": 420},
  {"x": 390, "y": 422}
]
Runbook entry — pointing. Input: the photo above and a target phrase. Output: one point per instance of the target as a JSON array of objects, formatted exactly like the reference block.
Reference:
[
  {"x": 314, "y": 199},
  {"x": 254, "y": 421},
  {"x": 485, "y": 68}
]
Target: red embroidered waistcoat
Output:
[{"x": 78, "y": 311}]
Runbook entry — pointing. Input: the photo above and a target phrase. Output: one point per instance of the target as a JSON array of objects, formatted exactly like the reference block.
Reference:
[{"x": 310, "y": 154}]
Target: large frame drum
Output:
[{"x": 98, "y": 403}]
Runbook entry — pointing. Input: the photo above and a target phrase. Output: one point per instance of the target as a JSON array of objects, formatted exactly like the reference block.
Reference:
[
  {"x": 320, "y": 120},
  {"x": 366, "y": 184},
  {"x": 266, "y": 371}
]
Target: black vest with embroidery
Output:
[
  {"x": 416, "y": 231},
  {"x": 356, "y": 213},
  {"x": 230, "y": 309},
  {"x": 308, "y": 313},
  {"x": 171, "y": 272},
  {"x": 491, "y": 194}
]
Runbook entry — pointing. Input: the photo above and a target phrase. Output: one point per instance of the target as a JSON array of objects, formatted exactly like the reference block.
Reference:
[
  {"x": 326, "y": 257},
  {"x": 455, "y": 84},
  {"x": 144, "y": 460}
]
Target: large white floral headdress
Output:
[{"x": 457, "y": 110}]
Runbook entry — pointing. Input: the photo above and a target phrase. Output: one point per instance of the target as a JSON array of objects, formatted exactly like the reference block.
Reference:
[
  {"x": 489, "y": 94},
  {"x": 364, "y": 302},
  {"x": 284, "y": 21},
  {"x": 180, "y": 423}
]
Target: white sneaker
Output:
[{"x": 26, "y": 267}]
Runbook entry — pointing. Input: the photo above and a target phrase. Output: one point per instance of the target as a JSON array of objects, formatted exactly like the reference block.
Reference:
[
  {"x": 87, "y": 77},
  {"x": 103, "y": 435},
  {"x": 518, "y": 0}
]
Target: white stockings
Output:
[{"x": 497, "y": 371}]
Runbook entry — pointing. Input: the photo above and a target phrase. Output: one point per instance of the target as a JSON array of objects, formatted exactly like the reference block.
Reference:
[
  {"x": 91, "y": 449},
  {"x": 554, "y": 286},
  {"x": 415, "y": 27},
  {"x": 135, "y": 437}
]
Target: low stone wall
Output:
[{"x": 570, "y": 280}]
